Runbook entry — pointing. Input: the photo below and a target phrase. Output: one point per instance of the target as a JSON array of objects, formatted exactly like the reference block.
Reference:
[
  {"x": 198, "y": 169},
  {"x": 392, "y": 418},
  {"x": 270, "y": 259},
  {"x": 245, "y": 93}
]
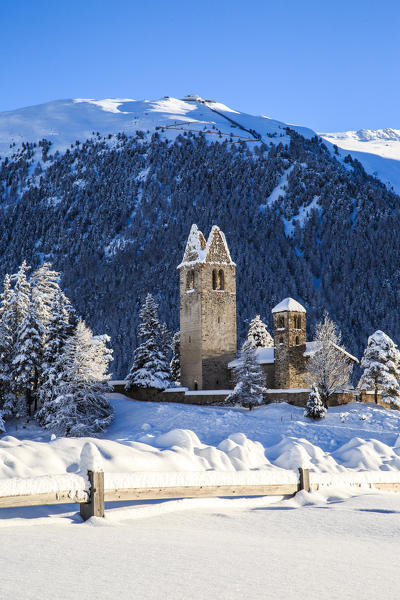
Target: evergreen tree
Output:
[
  {"x": 315, "y": 408},
  {"x": 27, "y": 362},
  {"x": 20, "y": 299},
  {"x": 249, "y": 378},
  {"x": 165, "y": 337},
  {"x": 78, "y": 406},
  {"x": 258, "y": 335},
  {"x": 150, "y": 368},
  {"x": 7, "y": 327},
  {"x": 175, "y": 364},
  {"x": 15, "y": 304},
  {"x": 329, "y": 367},
  {"x": 58, "y": 330},
  {"x": 381, "y": 368},
  {"x": 45, "y": 286}
]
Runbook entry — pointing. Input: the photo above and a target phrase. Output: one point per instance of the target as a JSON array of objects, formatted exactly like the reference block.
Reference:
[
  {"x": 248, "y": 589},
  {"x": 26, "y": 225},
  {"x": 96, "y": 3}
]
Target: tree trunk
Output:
[
  {"x": 376, "y": 390},
  {"x": 29, "y": 401},
  {"x": 36, "y": 385}
]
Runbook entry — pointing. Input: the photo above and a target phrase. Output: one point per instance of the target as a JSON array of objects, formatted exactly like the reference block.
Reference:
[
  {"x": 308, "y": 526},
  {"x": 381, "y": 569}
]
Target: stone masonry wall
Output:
[
  {"x": 191, "y": 328},
  {"x": 298, "y": 398},
  {"x": 218, "y": 314}
]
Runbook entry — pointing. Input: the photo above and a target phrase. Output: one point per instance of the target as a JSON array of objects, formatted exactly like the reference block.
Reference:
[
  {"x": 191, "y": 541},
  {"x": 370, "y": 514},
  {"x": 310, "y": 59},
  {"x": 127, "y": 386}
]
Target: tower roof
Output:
[
  {"x": 198, "y": 250},
  {"x": 289, "y": 305}
]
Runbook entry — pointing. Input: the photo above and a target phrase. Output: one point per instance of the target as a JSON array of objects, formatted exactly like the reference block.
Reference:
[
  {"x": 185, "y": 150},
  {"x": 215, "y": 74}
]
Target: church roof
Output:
[
  {"x": 289, "y": 305},
  {"x": 198, "y": 250},
  {"x": 266, "y": 356}
]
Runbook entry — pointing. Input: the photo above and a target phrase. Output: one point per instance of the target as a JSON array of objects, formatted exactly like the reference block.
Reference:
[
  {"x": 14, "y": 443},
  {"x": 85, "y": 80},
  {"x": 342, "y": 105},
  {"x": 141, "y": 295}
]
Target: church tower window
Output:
[
  {"x": 190, "y": 280},
  {"x": 221, "y": 280},
  {"x": 281, "y": 322},
  {"x": 297, "y": 340},
  {"x": 214, "y": 279}
]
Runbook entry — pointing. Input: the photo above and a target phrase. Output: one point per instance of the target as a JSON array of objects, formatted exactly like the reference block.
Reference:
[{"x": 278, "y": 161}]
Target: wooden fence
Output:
[{"x": 92, "y": 502}]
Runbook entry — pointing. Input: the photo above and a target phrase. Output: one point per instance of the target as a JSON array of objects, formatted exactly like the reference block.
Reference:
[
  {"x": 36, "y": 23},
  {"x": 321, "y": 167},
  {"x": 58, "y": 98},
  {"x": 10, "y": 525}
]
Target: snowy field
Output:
[{"x": 339, "y": 541}]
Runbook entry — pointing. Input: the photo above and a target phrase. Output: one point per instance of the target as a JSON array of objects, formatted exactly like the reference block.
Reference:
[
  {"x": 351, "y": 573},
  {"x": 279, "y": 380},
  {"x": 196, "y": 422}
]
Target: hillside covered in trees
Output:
[{"x": 113, "y": 215}]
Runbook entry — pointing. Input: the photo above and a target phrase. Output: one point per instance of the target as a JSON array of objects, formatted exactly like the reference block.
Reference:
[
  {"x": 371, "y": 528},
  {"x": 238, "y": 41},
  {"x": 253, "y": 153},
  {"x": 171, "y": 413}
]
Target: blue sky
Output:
[{"x": 329, "y": 65}]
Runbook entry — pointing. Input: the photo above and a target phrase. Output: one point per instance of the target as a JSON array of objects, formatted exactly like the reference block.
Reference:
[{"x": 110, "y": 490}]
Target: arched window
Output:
[
  {"x": 214, "y": 279},
  {"x": 281, "y": 340},
  {"x": 281, "y": 322},
  {"x": 190, "y": 280},
  {"x": 221, "y": 280},
  {"x": 196, "y": 386},
  {"x": 297, "y": 340},
  {"x": 297, "y": 322}
]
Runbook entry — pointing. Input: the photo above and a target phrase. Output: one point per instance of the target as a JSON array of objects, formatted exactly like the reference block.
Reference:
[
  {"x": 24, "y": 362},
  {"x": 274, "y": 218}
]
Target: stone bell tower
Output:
[
  {"x": 207, "y": 311},
  {"x": 290, "y": 344}
]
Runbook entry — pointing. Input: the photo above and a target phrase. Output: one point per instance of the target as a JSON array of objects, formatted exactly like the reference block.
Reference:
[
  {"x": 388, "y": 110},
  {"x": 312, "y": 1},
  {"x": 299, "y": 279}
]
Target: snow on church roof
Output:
[
  {"x": 198, "y": 249},
  {"x": 265, "y": 356},
  {"x": 288, "y": 304}
]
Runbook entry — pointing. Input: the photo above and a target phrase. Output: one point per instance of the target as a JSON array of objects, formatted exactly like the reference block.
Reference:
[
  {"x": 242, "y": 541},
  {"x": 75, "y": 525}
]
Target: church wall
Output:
[
  {"x": 269, "y": 372},
  {"x": 218, "y": 326},
  {"x": 191, "y": 329}
]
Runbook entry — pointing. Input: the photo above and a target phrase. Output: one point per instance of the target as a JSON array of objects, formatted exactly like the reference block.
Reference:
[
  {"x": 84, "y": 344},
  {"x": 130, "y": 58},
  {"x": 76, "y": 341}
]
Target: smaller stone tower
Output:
[
  {"x": 290, "y": 344},
  {"x": 207, "y": 311}
]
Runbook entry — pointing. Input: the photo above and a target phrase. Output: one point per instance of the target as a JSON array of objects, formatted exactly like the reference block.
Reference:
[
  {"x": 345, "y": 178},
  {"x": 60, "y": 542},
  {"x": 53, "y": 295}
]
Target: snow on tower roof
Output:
[
  {"x": 195, "y": 247},
  {"x": 199, "y": 251},
  {"x": 289, "y": 305}
]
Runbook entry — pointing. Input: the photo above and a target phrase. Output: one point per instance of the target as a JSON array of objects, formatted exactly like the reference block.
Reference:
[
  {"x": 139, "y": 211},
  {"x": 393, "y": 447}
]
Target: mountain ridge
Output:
[{"x": 64, "y": 121}]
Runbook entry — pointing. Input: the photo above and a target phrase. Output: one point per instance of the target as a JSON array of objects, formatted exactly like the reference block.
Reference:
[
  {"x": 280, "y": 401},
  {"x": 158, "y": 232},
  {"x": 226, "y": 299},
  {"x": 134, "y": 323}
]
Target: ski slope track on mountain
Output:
[{"x": 65, "y": 121}]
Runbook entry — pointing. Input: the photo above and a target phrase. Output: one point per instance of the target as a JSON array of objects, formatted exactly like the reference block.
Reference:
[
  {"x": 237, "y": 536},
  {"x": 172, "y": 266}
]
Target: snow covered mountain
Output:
[
  {"x": 64, "y": 121},
  {"x": 377, "y": 150}
]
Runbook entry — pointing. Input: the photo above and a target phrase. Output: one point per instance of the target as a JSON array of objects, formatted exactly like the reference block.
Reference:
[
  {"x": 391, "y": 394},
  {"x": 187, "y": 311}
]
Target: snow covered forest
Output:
[
  {"x": 51, "y": 365},
  {"x": 113, "y": 214}
]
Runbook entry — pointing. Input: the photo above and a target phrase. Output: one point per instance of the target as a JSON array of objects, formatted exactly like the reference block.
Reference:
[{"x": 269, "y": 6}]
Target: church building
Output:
[{"x": 208, "y": 323}]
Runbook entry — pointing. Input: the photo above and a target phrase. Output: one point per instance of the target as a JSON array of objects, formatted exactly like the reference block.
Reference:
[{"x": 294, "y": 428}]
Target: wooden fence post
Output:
[
  {"x": 95, "y": 506},
  {"x": 304, "y": 479}
]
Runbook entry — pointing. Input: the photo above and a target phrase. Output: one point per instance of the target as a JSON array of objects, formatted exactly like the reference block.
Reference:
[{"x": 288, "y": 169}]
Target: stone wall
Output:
[
  {"x": 369, "y": 396},
  {"x": 296, "y": 397},
  {"x": 180, "y": 395}
]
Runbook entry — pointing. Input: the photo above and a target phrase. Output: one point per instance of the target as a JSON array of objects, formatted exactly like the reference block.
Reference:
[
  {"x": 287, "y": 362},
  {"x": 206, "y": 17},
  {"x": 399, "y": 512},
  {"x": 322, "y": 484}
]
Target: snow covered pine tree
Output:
[
  {"x": 249, "y": 378},
  {"x": 7, "y": 329},
  {"x": 258, "y": 334},
  {"x": 381, "y": 368},
  {"x": 58, "y": 330},
  {"x": 150, "y": 367},
  {"x": 78, "y": 406},
  {"x": 315, "y": 408},
  {"x": 27, "y": 364}
]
